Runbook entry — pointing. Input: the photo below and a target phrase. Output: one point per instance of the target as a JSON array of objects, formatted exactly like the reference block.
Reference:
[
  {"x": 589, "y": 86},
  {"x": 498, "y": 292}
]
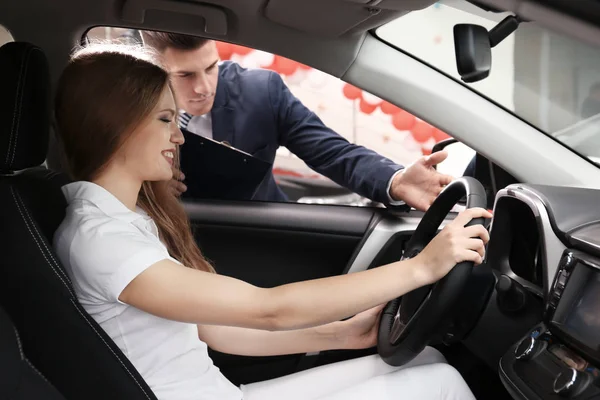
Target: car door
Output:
[{"x": 271, "y": 244}]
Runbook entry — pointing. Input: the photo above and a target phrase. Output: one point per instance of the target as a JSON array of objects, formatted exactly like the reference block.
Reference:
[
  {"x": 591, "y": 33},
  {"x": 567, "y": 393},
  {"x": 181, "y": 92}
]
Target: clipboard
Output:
[{"x": 214, "y": 170}]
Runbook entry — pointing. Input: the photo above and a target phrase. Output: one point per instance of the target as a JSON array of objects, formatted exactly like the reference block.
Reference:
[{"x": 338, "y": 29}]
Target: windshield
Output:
[{"x": 550, "y": 80}]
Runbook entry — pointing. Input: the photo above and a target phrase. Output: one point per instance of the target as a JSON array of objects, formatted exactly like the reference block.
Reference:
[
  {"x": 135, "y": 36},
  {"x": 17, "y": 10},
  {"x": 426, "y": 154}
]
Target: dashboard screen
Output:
[{"x": 583, "y": 320}]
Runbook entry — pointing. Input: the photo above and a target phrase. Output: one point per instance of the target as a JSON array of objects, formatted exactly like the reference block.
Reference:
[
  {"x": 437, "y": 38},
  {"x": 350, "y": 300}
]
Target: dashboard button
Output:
[
  {"x": 529, "y": 348},
  {"x": 567, "y": 261},
  {"x": 571, "y": 382},
  {"x": 554, "y": 298},
  {"x": 562, "y": 279}
]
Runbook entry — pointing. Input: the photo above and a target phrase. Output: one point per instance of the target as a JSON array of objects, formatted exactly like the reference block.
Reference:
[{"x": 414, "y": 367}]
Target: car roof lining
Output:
[
  {"x": 286, "y": 27},
  {"x": 265, "y": 25},
  {"x": 579, "y": 19}
]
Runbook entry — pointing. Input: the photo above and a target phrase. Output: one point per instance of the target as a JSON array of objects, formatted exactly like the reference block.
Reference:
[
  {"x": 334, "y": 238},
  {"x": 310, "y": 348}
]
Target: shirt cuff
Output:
[{"x": 391, "y": 201}]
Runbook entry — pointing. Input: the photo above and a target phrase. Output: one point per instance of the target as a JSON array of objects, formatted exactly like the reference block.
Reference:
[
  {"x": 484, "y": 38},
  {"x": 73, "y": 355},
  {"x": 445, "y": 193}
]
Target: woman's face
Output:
[{"x": 149, "y": 152}]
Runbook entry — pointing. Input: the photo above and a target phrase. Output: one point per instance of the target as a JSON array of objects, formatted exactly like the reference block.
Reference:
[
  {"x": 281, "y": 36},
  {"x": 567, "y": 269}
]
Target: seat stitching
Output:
[
  {"x": 51, "y": 173},
  {"x": 12, "y": 129},
  {"x": 21, "y": 96},
  {"x": 73, "y": 302},
  {"x": 23, "y": 358},
  {"x": 36, "y": 240},
  {"x": 111, "y": 350},
  {"x": 43, "y": 241},
  {"x": 37, "y": 371},
  {"x": 19, "y": 344}
]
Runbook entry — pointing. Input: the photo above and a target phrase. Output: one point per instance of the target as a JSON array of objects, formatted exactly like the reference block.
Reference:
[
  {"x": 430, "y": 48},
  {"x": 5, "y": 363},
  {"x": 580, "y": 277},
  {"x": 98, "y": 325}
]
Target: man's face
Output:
[{"x": 194, "y": 76}]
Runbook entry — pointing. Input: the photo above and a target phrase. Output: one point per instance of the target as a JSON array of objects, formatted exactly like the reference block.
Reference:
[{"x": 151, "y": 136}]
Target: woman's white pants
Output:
[{"x": 426, "y": 377}]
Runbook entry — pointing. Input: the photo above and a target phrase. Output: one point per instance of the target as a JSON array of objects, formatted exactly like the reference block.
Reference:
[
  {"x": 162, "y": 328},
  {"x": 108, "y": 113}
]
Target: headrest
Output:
[{"x": 24, "y": 106}]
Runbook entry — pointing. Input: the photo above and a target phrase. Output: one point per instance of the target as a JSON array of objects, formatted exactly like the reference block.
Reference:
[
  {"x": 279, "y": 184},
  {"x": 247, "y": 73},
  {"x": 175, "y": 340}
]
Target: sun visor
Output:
[
  {"x": 333, "y": 18},
  {"x": 316, "y": 16},
  {"x": 188, "y": 15},
  {"x": 400, "y": 5}
]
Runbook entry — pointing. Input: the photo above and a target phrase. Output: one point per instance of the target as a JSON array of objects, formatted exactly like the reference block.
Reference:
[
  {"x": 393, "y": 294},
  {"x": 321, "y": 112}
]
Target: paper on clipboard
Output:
[{"x": 217, "y": 170}]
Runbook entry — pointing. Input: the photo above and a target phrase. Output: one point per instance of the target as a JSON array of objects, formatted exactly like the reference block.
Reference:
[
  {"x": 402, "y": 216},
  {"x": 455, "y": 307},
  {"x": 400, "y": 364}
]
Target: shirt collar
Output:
[
  {"x": 101, "y": 198},
  {"x": 207, "y": 116}
]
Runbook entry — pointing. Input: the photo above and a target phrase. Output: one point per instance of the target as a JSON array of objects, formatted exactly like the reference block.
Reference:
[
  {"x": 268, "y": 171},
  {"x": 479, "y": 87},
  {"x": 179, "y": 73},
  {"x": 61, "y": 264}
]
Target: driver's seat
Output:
[{"x": 64, "y": 343}]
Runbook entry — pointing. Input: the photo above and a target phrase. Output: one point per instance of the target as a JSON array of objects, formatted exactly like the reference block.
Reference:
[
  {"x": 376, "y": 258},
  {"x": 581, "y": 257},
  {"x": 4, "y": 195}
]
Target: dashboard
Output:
[{"x": 543, "y": 319}]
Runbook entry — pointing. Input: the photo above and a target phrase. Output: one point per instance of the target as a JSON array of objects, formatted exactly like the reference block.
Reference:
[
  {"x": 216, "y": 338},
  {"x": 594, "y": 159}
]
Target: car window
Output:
[
  {"x": 5, "y": 36},
  {"x": 354, "y": 114},
  {"x": 550, "y": 80},
  {"x": 124, "y": 35}
]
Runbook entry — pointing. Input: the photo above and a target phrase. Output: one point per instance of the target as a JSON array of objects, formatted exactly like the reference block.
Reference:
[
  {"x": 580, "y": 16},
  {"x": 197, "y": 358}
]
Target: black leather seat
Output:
[
  {"x": 58, "y": 336},
  {"x": 19, "y": 379}
]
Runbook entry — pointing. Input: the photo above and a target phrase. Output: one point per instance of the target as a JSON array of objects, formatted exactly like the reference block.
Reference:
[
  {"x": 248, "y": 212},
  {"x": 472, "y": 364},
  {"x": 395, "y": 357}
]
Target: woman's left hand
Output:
[{"x": 360, "y": 331}]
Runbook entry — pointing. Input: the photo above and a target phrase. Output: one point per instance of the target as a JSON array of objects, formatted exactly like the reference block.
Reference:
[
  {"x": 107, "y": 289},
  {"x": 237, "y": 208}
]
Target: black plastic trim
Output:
[
  {"x": 341, "y": 220},
  {"x": 513, "y": 389},
  {"x": 569, "y": 208},
  {"x": 377, "y": 217}
]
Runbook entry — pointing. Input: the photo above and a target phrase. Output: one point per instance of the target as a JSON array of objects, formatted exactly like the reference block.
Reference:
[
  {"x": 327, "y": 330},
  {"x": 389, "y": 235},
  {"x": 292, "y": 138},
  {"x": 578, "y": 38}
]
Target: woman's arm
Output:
[
  {"x": 359, "y": 332},
  {"x": 172, "y": 291},
  {"x": 258, "y": 343}
]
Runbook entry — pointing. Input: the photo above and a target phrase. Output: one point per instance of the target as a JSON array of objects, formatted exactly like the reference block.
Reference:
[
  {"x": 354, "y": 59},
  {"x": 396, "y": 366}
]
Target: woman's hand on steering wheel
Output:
[
  {"x": 444, "y": 264},
  {"x": 454, "y": 244}
]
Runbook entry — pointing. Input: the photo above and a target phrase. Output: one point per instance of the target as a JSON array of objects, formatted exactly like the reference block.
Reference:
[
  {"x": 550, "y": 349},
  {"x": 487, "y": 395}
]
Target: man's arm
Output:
[{"x": 357, "y": 168}]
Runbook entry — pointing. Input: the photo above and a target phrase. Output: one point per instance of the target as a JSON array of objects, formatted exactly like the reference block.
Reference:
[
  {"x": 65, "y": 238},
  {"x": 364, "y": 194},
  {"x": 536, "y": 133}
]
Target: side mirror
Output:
[
  {"x": 439, "y": 146},
  {"x": 473, "y": 52}
]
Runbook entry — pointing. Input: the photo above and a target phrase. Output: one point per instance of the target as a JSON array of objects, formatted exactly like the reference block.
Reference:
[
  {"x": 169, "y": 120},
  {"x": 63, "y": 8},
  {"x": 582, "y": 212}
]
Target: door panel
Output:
[
  {"x": 345, "y": 220},
  {"x": 270, "y": 244},
  {"x": 270, "y": 257}
]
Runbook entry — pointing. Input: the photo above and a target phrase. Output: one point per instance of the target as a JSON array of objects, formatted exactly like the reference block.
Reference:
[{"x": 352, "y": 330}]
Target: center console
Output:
[{"x": 560, "y": 357}]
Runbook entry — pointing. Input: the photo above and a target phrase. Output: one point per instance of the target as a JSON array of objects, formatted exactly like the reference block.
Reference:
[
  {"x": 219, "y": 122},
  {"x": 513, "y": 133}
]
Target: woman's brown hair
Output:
[{"x": 106, "y": 92}]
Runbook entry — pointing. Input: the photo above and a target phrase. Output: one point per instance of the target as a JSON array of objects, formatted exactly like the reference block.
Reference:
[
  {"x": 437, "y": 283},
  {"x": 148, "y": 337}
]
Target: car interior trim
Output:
[{"x": 552, "y": 247}]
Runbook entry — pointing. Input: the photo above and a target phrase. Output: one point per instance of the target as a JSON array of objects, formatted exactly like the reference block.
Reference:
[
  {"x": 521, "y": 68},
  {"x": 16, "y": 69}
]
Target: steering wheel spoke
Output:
[{"x": 397, "y": 328}]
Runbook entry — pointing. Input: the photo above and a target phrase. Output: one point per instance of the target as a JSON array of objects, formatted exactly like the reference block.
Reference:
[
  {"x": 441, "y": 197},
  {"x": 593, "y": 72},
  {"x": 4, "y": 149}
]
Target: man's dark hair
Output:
[{"x": 162, "y": 41}]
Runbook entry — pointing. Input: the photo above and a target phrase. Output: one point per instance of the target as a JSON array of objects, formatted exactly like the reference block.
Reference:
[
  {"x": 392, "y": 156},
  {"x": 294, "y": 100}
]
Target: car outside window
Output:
[{"x": 355, "y": 114}]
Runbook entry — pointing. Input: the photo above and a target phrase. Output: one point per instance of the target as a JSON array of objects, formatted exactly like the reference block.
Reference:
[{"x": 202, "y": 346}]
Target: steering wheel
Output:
[{"x": 410, "y": 322}]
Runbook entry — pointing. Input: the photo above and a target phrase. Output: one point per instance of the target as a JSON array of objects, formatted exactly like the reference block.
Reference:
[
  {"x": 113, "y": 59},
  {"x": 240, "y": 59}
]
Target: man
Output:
[{"x": 254, "y": 111}]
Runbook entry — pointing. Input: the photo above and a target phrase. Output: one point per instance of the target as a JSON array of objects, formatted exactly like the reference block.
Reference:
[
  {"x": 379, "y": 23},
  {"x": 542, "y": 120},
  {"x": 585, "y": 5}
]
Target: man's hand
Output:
[
  {"x": 175, "y": 185},
  {"x": 419, "y": 184}
]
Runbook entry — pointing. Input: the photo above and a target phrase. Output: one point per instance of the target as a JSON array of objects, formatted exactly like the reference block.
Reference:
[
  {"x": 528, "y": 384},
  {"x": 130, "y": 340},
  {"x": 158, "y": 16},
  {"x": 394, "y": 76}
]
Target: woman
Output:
[{"x": 127, "y": 245}]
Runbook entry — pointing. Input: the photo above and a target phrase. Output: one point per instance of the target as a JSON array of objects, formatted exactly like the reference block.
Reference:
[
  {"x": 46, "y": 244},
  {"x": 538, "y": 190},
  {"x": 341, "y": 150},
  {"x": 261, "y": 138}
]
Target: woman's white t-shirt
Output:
[{"x": 104, "y": 246}]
